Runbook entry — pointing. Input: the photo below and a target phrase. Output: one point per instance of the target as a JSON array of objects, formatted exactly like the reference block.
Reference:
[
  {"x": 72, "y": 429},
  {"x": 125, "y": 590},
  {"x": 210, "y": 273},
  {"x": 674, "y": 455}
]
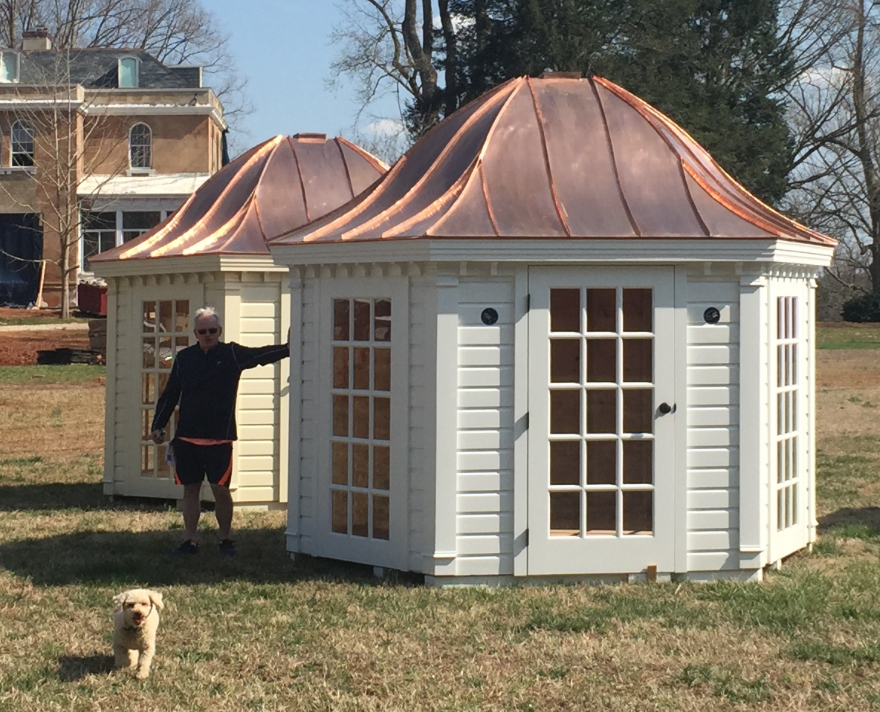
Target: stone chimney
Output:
[{"x": 37, "y": 39}]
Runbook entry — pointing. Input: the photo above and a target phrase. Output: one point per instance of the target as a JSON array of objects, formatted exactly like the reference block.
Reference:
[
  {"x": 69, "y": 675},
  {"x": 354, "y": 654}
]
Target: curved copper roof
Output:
[
  {"x": 271, "y": 189},
  {"x": 556, "y": 157}
]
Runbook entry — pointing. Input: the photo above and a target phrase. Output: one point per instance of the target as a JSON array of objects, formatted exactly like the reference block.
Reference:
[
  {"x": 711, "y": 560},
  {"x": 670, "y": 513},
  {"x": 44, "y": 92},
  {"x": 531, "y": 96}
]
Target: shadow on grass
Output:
[
  {"x": 864, "y": 517},
  {"x": 77, "y": 495},
  {"x": 75, "y": 667},
  {"x": 143, "y": 559}
]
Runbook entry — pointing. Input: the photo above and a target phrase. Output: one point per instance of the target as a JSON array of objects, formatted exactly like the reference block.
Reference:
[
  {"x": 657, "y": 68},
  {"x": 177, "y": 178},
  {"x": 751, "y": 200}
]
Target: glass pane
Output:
[
  {"x": 638, "y": 360},
  {"x": 341, "y": 309},
  {"x": 637, "y": 310},
  {"x": 638, "y": 462},
  {"x": 163, "y": 381},
  {"x": 638, "y": 411},
  {"x": 162, "y": 466},
  {"x": 565, "y": 412},
  {"x": 146, "y": 421},
  {"x": 340, "y": 463},
  {"x": 362, "y": 328},
  {"x": 340, "y": 366},
  {"x": 149, "y": 348},
  {"x": 565, "y": 513},
  {"x": 182, "y": 316},
  {"x": 360, "y": 465},
  {"x": 9, "y": 67},
  {"x": 362, "y": 368},
  {"x": 565, "y": 310},
  {"x": 340, "y": 415},
  {"x": 602, "y": 411},
  {"x": 148, "y": 390},
  {"x": 382, "y": 329},
  {"x": 382, "y": 369},
  {"x": 601, "y": 512},
  {"x": 166, "y": 322},
  {"x": 565, "y": 361},
  {"x": 149, "y": 317},
  {"x": 381, "y": 467},
  {"x": 382, "y": 418},
  {"x": 638, "y": 512},
  {"x": 147, "y": 460},
  {"x": 127, "y": 72},
  {"x": 361, "y": 421},
  {"x": 381, "y": 516},
  {"x": 166, "y": 352},
  {"x": 339, "y": 514},
  {"x": 780, "y": 318},
  {"x": 360, "y": 514},
  {"x": 602, "y": 462},
  {"x": 180, "y": 343},
  {"x": 565, "y": 462},
  {"x": 601, "y": 310},
  {"x": 141, "y": 220},
  {"x": 602, "y": 360}
]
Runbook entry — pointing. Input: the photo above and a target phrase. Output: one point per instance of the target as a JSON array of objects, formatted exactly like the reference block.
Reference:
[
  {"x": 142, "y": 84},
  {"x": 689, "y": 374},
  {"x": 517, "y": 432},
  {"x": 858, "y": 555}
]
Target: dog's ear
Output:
[
  {"x": 156, "y": 598},
  {"x": 118, "y": 600}
]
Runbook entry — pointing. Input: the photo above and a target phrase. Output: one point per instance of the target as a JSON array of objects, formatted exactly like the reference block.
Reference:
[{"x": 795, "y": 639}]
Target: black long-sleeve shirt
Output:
[{"x": 206, "y": 384}]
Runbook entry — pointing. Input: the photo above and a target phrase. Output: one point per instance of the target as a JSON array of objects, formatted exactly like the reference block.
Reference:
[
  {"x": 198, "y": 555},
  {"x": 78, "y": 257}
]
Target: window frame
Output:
[
  {"x": 148, "y": 145},
  {"x": 137, "y": 72},
  {"x": 17, "y": 77},
  {"x": 14, "y": 142}
]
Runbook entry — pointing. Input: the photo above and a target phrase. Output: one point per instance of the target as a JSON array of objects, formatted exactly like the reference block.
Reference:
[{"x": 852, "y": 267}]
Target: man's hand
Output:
[{"x": 158, "y": 436}]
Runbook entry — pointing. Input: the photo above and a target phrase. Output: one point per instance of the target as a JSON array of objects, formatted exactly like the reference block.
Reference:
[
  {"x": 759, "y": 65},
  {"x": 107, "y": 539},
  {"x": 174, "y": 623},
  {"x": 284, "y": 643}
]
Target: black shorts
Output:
[{"x": 192, "y": 463}]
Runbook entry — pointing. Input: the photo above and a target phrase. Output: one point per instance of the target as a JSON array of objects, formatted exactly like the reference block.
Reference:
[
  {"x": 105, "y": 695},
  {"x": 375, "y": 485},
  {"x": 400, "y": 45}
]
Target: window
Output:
[
  {"x": 9, "y": 66},
  {"x": 135, "y": 224},
  {"x": 140, "y": 146},
  {"x": 128, "y": 73},
  {"x": 361, "y": 405},
  {"x": 98, "y": 234},
  {"x": 22, "y": 144},
  {"x": 787, "y": 420}
]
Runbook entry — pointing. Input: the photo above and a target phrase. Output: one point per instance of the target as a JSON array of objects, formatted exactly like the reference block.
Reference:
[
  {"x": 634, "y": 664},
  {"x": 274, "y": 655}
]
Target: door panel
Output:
[{"x": 601, "y": 416}]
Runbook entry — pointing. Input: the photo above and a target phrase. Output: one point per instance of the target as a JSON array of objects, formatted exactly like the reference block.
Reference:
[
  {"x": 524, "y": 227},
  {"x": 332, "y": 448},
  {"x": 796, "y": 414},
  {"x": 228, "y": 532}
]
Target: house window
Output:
[
  {"x": 22, "y": 144},
  {"x": 360, "y": 444},
  {"x": 128, "y": 73},
  {"x": 787, "y": 413},
  {"x": 140, "y": 146},
  {"x": 135, "y": 224},
  {"x": 164, "y": 333},
  {"x": 9, "y": 67},
  {"x": 98, "y": 235}
]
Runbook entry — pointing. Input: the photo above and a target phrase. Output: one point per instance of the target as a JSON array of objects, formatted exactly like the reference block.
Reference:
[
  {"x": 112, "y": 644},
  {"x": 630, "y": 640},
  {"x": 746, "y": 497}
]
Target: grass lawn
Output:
[
  {"x": 40, "y": 320},
  {"x": 260, "y": 632}
]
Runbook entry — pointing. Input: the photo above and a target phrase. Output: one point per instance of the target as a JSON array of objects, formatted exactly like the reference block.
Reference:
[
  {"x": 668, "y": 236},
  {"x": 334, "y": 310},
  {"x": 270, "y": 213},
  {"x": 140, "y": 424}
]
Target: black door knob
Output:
[{"x": 665, "y": 408}]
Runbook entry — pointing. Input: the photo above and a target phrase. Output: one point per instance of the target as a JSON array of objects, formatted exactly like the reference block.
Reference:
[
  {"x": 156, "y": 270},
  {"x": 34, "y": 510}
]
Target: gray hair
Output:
[{"x": 205, "y": 313}]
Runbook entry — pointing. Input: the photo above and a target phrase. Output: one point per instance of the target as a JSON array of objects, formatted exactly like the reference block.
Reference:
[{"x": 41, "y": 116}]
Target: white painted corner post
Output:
[
  {"x": 521, "y": 424},
  {"x": 445, "y": 426},
  {"x": 753, "y": 422},
  {"x": 810, "y": 312},
  {"x": 282, "y": 452},
  {"x": 291, "y": 474},
  {"x": 111, "y": 386}
]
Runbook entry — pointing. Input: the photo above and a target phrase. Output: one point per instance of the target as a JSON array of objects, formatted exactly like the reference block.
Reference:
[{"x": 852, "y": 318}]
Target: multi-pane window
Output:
[
  {"x": 136, "y": 223},
  {"x": 140, "y": 146},
  {"x": 98, "y": 234},
  {"x": 164, "y": 332},
  {"x": 601, "y": 395},
  {"x": 361, "y": 418},
  {"x": 787, "y": 415},
  {"x": 22, "y": 143}
]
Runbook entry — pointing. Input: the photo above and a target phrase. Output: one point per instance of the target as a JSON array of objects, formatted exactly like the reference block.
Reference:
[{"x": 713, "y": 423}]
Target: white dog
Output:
[{"x": 134, "y": 634}]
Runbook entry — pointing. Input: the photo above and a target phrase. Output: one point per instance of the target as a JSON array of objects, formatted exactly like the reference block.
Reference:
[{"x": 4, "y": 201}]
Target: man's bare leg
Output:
[
  {"x": 192, "y": 509},
  {"x": 223, "y": 509}
]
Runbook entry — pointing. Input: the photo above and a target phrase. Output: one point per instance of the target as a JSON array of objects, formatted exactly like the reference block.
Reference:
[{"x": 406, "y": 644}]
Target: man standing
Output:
[{"x": 204, "y": 379}]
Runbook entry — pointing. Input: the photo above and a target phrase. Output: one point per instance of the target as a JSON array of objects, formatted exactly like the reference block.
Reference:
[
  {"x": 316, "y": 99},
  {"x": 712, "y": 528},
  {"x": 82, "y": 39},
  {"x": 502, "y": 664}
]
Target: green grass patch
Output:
[
  {"x": 72, "y": 373},
  {"x": 821, "y": 651},
  {"x": 848, "y": 336}
]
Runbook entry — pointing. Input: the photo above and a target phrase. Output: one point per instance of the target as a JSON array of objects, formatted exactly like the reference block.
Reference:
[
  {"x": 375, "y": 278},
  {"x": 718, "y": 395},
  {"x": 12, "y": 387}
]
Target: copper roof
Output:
[
  {"x": 271, "y": 189},
  {"x": 556, "y": 157}
]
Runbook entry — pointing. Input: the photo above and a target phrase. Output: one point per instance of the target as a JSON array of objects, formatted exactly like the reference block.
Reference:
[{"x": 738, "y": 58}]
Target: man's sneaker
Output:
[
  {"x": 190, "y": 546},
  {"x": 227, "y": 546}
]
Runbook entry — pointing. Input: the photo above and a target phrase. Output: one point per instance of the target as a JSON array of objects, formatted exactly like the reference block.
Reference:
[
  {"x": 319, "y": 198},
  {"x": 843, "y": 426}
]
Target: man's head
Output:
[{"x": 207, "y": 328}]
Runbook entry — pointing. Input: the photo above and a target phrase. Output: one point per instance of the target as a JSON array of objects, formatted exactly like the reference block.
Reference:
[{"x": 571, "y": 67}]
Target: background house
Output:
[{"x": 96, "y": 147}]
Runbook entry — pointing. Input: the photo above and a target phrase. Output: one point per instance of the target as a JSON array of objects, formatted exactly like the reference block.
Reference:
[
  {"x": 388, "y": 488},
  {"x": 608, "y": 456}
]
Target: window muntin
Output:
[
  {"x": 136, "y": 223},
  {"x": 128, "y": 73},
  {"x": 140, "y": 146},
  {"x": 360, "y": 439},
  {"x": 787, "y": 412},
  {"x": 164, "y": 332},
  {"x": 22, "y": 143},
  {"x": 98, "y": 234},
  {"x": 9, "y": 67}
]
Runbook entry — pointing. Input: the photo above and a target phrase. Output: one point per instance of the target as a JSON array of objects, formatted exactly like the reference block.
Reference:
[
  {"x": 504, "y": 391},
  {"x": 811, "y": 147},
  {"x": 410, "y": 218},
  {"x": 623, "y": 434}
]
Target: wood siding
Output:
[{"x": 712, "y": 427}]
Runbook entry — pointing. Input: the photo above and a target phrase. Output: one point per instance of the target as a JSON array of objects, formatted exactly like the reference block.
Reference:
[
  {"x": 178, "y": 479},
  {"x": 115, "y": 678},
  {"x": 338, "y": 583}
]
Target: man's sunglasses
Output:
[{"x": 202, "y": 332}]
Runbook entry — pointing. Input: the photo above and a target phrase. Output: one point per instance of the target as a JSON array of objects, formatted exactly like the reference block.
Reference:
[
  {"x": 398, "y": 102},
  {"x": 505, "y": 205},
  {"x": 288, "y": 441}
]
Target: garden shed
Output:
[
  {"x": 213, "y": 252},
  {"x": 555, "y": 342}
]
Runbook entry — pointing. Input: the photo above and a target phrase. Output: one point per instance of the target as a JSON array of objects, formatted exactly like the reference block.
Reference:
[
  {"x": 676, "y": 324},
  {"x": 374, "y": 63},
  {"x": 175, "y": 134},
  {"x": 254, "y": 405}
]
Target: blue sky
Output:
[{"x": 283, "y": 49}]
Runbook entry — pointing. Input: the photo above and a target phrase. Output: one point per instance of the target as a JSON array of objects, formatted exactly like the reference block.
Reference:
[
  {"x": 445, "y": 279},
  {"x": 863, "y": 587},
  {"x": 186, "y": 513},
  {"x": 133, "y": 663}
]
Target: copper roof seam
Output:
[
  {"x": 302, "y": 182},
  {"x": 488, "y": 202},
  {"x": 260, "y": 220},
  {"x": 550, "y": 181},
  {"x": 687, "y": 191},
  {"x": 374, "y": 161},
  {"x": 152, "y": 240},
  {"x": 473, "y": 173},
  {"x": 345, "y": 166},
  {"x": 215, "y": 236},
  {"x": 623, "y": 200},
  {"x": 202, "y": 221},
  {"x": 749, "y": 201}
]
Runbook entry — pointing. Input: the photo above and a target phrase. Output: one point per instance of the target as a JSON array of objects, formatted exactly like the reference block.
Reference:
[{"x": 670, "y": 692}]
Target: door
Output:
[{"x": 601, "y": 415}]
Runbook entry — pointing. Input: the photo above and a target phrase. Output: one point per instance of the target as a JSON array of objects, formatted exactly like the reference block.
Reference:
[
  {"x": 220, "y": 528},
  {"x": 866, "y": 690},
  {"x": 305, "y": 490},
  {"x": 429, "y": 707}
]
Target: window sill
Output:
[
  {"x": 9, "y": 170},
  {"x": 141, "y": 172}
]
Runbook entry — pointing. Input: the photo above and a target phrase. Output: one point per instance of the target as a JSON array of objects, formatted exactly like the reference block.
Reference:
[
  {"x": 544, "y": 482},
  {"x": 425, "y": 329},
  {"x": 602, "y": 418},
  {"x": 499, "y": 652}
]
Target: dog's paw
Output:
[{"x": 142, "y": 674}]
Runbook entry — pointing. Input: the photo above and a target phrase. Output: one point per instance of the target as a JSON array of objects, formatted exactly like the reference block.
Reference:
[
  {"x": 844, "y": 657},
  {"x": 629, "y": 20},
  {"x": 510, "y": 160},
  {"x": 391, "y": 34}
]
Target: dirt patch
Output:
[{"x": 19, "y": 348}]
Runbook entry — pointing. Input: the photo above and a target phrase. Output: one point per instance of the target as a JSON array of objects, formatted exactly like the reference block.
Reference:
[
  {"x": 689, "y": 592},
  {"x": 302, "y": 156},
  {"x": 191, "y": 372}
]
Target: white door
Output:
[{"x": 601, "y": 415}]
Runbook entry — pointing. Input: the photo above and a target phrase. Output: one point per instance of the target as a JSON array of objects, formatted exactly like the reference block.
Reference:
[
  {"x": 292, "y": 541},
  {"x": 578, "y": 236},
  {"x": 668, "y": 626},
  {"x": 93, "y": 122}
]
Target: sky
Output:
[{"x": 283, "y": 49}]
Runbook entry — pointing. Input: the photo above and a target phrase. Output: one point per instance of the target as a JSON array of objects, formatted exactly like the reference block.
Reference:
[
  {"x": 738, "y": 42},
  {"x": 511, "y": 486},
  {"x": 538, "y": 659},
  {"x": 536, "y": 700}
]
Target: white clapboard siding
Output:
[
  {"x": 498, "y": 523},
  {"x": 712, "y": 426},
  {"x": 248, "y": 447}
]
